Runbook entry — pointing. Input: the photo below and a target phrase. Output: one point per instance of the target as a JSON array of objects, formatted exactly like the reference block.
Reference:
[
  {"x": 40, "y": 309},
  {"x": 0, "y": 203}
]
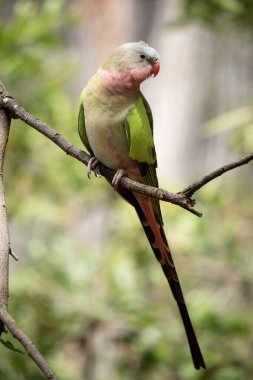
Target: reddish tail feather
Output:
[{"x": 157, "y": 239}]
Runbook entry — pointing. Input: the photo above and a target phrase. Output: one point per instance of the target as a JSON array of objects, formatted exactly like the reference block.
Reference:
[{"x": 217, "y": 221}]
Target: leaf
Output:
[
  {"x": 11, "y": 347},
  {"x": 231, "y": 6}
]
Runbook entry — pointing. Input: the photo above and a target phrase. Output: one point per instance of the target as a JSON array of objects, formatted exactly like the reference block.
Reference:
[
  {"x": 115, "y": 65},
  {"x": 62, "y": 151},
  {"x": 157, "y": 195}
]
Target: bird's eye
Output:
[{"x": 142, "y": 56}]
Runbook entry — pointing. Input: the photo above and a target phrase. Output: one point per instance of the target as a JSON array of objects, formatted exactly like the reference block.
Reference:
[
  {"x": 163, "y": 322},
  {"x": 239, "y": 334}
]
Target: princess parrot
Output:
[{"x": 116, "y": 126}]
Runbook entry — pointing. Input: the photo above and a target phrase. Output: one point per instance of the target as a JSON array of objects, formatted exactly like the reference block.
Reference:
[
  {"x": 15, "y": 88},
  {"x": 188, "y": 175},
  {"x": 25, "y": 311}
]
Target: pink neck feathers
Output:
[{"x": 120, "y": 82}]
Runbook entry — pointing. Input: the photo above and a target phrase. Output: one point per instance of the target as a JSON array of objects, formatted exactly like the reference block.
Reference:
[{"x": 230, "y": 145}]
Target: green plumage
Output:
[
  {"x": 81, "y": 124},
  {"x": 139, "y": 133},
  {"x": 139, "y": 130},
  {"x": 138, "y": 125}
]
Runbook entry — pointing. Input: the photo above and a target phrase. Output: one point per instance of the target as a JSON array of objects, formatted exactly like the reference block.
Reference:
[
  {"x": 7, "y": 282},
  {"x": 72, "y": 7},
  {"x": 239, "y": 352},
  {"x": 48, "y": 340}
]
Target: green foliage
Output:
[
  {"x": 78, "y": 302},
  {"x": 219, "y": 11},
  {"x": 36, "y": 66},
  {"x": 11, "y": 346}
]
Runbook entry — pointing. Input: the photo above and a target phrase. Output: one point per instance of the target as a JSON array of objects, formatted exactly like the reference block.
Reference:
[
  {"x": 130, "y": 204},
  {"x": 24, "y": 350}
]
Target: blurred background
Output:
[{"x": 87, "y": 289}]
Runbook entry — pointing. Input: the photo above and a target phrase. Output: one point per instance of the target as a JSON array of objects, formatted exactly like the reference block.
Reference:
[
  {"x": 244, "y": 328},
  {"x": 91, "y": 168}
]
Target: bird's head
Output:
[
  {"x": 139, "y": 54},
  {"x": 136, "y": 59}
]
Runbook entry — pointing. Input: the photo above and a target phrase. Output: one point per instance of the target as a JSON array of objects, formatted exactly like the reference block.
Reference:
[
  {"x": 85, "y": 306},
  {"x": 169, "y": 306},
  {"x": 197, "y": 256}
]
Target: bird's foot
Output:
[
  {"x": 117, "y": 178},
  {"x": 92, "y": 165}
]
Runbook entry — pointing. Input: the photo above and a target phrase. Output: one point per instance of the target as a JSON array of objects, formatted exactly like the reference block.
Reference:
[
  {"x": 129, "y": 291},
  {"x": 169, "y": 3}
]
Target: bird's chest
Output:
[
  {"x": 107, "y": 138},
  {"x": 104, "y": 120}
]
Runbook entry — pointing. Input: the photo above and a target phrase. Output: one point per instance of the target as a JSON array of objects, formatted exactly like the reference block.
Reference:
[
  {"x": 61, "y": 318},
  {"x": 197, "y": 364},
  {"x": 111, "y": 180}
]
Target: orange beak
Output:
[{"x": 155, "y": 67}]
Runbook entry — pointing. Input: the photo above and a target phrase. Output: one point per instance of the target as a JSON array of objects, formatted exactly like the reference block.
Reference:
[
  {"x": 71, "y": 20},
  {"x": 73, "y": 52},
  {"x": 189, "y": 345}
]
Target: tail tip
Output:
[{"x": 200, "y": 364}]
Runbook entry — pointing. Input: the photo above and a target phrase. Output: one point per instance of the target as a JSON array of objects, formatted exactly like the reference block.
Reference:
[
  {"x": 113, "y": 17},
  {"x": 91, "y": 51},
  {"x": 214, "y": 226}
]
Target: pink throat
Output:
[{"x": 120, "y": 82}]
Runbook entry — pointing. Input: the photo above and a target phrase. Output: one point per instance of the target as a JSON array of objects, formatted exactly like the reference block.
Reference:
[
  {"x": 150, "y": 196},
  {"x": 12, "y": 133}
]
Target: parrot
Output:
[{"x": 115, "y": 125}]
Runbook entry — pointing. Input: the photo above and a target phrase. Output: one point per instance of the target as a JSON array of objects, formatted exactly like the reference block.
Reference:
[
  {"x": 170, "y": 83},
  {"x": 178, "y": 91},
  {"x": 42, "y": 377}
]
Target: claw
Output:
[
  {"x": 117, "y": 178},
  {"x": 93, "y": 162},
  {"x": 97, "y": 172}
]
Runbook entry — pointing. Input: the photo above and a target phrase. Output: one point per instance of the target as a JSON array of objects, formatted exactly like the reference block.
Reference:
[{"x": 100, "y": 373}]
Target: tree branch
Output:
[
  {"x": 4, "y": 233},
  {"x": 18, "y": 112},
  {"x": 5, "y": 317},
  {"x": 31, "y": 350},
  {"x": 190, "y": 190},
  {"x": 181, "y": 198}
]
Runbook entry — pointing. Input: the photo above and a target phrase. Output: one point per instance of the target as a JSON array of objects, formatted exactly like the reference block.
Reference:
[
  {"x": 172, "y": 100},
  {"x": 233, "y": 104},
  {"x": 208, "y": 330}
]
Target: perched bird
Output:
[{"x": 116, "y": 126}]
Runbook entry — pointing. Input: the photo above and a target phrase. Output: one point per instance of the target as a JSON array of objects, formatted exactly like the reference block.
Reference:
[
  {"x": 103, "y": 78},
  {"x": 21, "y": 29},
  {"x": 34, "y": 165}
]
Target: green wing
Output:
[
  {"x": 81, "y": 124},
  {"x": 139, "y": 130}
]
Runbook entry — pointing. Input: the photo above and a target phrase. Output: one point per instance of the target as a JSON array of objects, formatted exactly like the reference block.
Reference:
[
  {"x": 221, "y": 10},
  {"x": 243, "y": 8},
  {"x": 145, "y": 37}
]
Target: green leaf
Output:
[
  {"x": 11, "y": 347},
  {"x": 232, "y": 6}
]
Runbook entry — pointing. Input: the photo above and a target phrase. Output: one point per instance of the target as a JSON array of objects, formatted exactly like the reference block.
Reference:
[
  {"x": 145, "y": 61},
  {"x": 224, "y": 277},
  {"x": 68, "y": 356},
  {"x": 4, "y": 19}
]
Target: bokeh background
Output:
[{"x": 87, "y": 288}]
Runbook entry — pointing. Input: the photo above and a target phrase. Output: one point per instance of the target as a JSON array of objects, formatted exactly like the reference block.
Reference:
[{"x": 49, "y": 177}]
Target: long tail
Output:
[{"x": 157, "y": 239}]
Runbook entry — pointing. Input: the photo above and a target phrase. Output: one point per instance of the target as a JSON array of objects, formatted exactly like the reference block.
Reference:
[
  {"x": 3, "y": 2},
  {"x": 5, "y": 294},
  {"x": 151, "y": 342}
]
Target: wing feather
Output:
[
  {"x": 139, "y": 131},
  {"x": 81, "y": 124}
]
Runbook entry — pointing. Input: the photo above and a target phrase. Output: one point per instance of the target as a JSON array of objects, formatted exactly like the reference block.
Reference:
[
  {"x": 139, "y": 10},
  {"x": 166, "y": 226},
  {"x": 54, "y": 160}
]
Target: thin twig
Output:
[
  {"x": 190, "y": 190},
  {"x": 27, "y": 344},
  {"x": 13, "y": 254},
  {"x": 5, "y": 251}
]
